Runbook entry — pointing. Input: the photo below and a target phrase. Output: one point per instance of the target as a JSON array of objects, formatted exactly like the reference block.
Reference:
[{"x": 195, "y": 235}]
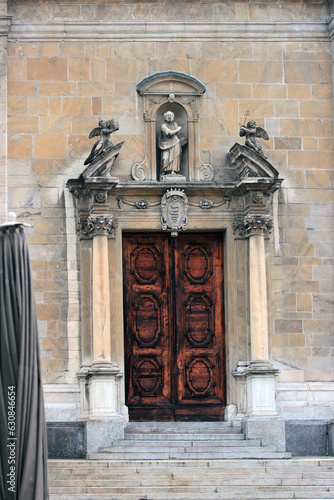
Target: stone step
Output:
[
  {"x": 178, "y": 436},
  {"x": 311, "y": 478},
  {"x": 205, "y": 481},
  {"x": 307, "y": 464},
  {"x": 131, "y": 443},
  {"x": 201, "y": 428},
  {"x": 179, "y": 448},
  {"x": 238, "y": 492},
  {"x": 182, "y": 455},
  {"x": 184, "y": 426}
]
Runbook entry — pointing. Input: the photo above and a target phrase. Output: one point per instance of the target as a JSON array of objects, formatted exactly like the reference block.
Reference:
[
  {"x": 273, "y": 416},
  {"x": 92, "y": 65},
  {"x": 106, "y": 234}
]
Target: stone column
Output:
[
  {"x": 262, "y": 420},
  {"x": 102, "y": 375},
  {"x": 104, "y": 421}
]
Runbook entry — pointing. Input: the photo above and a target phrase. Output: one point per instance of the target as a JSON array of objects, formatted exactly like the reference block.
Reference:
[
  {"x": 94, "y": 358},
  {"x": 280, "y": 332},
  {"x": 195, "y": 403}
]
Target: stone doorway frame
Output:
[{"x": 105, "y": 208}]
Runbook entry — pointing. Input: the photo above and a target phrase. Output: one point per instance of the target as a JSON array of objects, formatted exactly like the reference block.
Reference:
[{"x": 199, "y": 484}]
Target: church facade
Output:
[{"x": 175, "y": 163}]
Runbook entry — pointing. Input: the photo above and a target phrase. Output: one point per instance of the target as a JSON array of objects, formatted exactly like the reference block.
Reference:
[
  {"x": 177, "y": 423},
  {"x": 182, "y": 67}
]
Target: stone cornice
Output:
[
  {"x": 330, "y": 25},
  {"x": 5, "y": 22},
  {"x": 162, "y": 30}
]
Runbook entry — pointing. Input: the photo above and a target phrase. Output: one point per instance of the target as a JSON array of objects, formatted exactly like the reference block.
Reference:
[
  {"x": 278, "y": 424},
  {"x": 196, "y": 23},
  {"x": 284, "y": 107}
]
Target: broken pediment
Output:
[
  {"x": 102, "y": 164},
  {"x": 250, "y": 163}
]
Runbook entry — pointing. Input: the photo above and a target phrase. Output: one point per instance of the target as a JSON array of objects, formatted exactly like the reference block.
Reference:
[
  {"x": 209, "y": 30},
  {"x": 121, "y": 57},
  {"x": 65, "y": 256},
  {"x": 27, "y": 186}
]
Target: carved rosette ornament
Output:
[
  {"x": 253, "y": 224},
  {"x": 98, "y": 224},
  {"x": 174, "y": 211}
]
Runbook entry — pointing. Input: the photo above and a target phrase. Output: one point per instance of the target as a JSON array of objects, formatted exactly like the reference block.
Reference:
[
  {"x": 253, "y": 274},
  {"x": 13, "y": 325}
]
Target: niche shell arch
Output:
[{"x": 176, "y": 91}]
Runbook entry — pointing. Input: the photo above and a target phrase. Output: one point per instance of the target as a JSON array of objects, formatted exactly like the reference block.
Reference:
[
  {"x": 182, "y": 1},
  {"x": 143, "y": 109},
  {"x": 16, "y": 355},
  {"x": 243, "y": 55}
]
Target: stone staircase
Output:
[
  {"x": 305, "y": 478},
  {"x": 185, "y": 441}
]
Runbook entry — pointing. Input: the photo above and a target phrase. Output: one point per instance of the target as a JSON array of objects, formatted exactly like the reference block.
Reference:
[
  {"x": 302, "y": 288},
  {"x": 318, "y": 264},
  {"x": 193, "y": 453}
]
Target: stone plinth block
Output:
[
  {"x": 102, "y": 432},
  {"x": 271, "y": 431},
  {"x": 103, "y": 392},
  {"x": 260, "y": 393}
]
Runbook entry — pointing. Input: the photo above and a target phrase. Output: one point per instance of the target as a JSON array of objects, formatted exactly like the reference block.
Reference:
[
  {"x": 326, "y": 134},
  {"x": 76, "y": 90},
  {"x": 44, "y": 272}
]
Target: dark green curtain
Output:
[{"x": 22, "y": 421}]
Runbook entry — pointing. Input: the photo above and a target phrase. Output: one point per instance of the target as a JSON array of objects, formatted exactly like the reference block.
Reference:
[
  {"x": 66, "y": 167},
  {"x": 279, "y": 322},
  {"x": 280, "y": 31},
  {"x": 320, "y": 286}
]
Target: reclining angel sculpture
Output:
[
  {"x": 252, "y": 131},
  {"x": 104, "y": 130}
]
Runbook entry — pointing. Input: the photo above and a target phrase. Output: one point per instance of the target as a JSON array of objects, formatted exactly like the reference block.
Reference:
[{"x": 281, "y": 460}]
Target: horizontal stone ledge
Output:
[
  {"x": 162, "y": 30},
  {"x": 5, "y": 25},
  {"x": 61, "y": 388}
]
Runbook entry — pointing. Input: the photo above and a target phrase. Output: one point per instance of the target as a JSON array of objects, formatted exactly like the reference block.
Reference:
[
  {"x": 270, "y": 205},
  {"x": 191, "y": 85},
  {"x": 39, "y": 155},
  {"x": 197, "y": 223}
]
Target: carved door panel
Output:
[
  {"x": 174, "y": 343},
  {"x": 148, "y": 344},
  {"x": 200, "y": 377}
]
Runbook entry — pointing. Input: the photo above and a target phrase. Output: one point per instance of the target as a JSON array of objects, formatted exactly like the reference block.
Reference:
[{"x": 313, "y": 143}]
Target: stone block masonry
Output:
[{"x": 70, "y": 65}]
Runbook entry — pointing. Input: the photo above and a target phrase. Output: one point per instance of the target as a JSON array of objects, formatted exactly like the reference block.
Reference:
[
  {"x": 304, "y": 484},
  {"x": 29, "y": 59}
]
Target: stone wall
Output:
[{"x": 71, "y": 64}]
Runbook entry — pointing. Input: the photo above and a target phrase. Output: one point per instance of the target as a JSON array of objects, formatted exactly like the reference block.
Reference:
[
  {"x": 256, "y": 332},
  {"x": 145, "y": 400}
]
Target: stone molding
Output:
[
  {"x": 5, "y": 24},
  {"x": 330, "y": 25},
  {"x": 253, "y": 224},
  {"x": 97, "y": 224},
  {"x": 161, "y": 30}
]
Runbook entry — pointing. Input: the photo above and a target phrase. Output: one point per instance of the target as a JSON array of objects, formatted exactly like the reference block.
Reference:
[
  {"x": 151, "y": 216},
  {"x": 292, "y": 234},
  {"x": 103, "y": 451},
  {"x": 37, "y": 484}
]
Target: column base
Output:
[
  {"x": 260, "y": 389},
  {"x": 100, "y": 392},
  {"x": 262, "y": 419},
  {"x": 103, "y": 390}
]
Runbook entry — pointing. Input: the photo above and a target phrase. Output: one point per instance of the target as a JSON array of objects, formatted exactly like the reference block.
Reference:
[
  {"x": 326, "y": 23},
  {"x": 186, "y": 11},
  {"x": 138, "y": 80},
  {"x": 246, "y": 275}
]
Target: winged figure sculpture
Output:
[
  {"x": 104, "y": 130},
  {"x": 251, "y": 131}
]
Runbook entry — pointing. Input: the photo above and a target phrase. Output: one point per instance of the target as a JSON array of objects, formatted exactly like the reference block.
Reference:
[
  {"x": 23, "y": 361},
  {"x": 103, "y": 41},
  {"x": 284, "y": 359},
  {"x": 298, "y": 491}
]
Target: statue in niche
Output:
[
  {"x": 170, "y": 145},
  {"x": 251, "y": 131},
  {"x": 104, "y": 130}
]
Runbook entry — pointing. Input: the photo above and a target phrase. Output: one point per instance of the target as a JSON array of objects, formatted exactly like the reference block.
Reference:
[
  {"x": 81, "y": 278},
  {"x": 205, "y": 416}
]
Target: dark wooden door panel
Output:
[
  {"x": 148, "y": 345},
  {"x": 174, "y": 341},
  {"x": 199, "y": 327}
]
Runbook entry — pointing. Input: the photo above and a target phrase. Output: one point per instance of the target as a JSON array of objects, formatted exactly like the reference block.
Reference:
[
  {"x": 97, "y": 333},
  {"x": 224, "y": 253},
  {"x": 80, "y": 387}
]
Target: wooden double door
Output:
[{"x": 174, "y": 335}]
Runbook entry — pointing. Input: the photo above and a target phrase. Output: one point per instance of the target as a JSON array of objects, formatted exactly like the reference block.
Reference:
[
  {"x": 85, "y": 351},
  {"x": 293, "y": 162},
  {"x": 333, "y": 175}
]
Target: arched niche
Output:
[
  {"x": 179, "y": 93},
  {"x": 181, "y": 119}
]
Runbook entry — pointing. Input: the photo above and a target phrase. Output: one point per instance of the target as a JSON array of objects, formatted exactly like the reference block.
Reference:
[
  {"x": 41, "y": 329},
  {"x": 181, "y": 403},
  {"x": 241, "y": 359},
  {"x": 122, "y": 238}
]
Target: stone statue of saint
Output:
[
  {"x": 251, "y": 131},
  {"x": 104, "y": 130},
  {"x": 170, "y": 145}
]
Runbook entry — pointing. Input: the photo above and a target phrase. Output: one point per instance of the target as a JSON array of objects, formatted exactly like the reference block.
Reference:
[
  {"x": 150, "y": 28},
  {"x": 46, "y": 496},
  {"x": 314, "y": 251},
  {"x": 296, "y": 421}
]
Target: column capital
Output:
[
  {"x": 97, "y": 224},
  {"x": 253, "y": 224}
]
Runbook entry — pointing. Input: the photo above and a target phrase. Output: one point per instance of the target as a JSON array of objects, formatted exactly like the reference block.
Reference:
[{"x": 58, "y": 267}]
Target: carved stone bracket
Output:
[
  {"x": 174, "y": 211},
  {"x": 253, "y": 224},
  {"x": 97, "y": 224}
]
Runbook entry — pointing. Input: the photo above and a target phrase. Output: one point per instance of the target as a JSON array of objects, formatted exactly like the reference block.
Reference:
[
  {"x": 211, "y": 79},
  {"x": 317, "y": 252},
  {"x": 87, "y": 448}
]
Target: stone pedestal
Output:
[
  {"x": 103, "y": 391},
  {"x": 262, "y": 420}
]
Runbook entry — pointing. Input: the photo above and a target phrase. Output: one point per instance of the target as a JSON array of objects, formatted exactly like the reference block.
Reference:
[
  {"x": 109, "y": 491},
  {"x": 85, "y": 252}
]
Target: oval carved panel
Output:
[
  {"x": 147, "y": 376},
  {"x": 198, "y": 265},
  {"x": 199, "y": 376},
  {"x": 199, "y": 320},
  {"x": 147, "y": 320},
  {"x": 146, "y": 267}
]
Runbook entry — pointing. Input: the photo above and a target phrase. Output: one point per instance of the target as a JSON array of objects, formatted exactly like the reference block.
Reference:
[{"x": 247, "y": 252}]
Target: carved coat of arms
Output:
[{"x": 174, "y": 211}]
